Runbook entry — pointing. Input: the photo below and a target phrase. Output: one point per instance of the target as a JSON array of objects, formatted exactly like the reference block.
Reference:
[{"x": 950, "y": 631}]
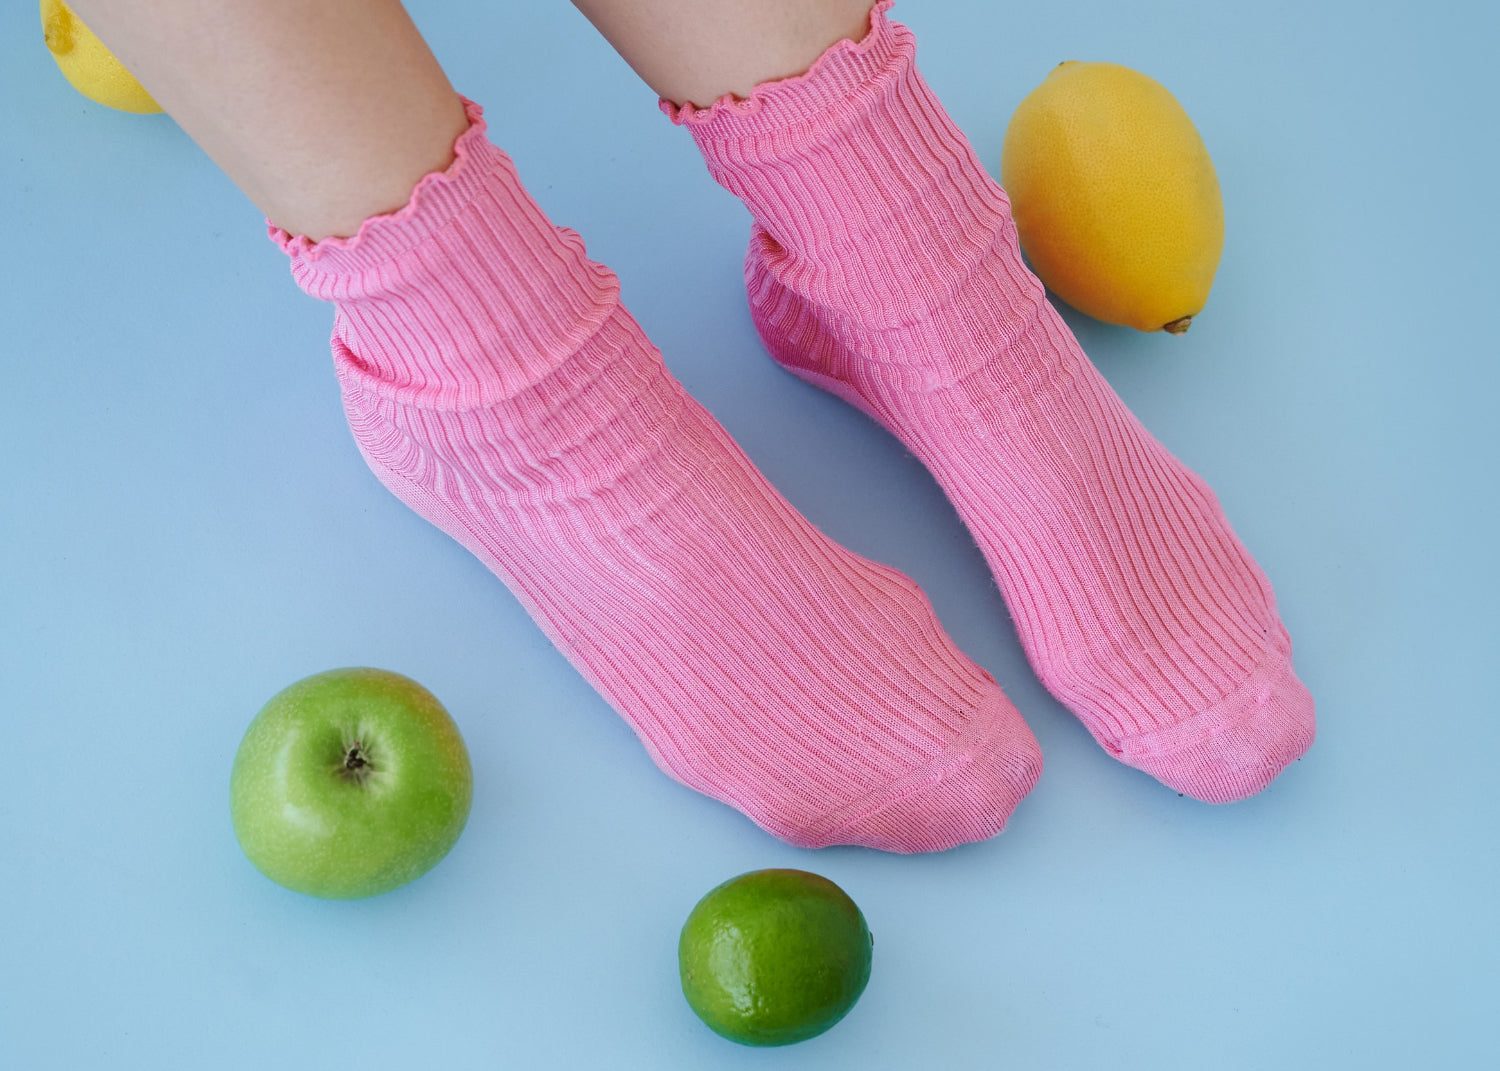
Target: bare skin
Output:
[
  {"x": 327, "y": 113},
  {"x": 696, "y": 51}
]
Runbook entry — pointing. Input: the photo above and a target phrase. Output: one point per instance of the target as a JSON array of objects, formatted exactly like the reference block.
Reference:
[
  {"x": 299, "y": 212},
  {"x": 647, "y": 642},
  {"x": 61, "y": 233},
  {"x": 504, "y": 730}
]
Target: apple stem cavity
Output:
[{"x": 356, "y": 765}]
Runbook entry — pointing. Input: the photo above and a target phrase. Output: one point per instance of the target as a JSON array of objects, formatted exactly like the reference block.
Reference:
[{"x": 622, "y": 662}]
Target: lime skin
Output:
[
  {"x": 774, "y": 957},
  {"x": 350, "y": 783}
]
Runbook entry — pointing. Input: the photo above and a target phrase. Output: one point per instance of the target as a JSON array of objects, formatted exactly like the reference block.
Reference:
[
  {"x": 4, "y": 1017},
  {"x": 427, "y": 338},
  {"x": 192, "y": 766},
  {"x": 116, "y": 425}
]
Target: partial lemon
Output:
[
  {"x": 91, "y": 67},
  {"x": 774, "y": 957},
  {"x": 1115, "y": 198}
]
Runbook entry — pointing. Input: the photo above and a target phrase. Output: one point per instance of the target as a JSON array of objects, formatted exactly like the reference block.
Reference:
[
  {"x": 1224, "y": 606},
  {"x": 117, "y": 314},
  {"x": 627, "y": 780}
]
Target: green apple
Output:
[{"x": 350, "y": 783}]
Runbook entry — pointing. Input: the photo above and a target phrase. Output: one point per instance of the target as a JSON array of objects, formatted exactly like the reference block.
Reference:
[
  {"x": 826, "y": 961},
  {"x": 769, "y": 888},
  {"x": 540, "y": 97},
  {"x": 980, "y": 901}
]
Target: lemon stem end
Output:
[{"x": 58, "y": 31}]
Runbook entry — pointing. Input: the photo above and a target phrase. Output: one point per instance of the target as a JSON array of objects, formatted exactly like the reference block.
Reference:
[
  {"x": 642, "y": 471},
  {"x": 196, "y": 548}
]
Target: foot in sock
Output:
[
  {"x": 883, "y": 266},
  {"x": 494, "y": 382}
]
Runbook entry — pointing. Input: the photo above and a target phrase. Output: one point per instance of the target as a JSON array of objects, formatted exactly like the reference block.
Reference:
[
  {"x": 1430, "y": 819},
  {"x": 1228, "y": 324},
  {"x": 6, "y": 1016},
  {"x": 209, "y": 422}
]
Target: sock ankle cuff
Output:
[
  {"x": 844, "y": 71},
  {"x": 438, "y": 198},
  {"x": 465, "y": 297}
]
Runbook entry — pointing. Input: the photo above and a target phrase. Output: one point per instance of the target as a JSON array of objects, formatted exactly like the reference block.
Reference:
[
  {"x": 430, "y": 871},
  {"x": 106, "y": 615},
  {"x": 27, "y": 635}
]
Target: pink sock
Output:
[
  {"x": 495, "y": 383},
  {"x": 883, "y": 266}
]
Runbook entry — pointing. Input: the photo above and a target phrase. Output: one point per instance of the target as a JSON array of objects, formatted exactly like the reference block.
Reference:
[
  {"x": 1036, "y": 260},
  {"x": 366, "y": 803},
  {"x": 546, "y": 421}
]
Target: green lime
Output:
[{"x": 774, "y": 957}]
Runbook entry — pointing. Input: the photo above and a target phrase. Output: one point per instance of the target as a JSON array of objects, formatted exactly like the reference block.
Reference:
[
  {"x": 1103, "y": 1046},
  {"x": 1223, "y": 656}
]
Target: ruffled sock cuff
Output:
[
  {"x": 841, "y": 73},
  {"x": 435, "y": 201},
  {"x": 467, "y": 296}
]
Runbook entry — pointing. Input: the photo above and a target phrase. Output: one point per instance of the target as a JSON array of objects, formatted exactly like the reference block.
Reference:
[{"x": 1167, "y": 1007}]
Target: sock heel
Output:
[{"x": 778, "y": 344}]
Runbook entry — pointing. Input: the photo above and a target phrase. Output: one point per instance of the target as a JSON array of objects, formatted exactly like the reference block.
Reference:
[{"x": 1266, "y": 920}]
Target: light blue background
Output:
[{"x": 186, "y": 527}]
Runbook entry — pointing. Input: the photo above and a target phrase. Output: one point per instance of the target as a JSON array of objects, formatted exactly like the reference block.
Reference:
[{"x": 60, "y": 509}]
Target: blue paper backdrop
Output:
[{"x": 186, "y": 527}]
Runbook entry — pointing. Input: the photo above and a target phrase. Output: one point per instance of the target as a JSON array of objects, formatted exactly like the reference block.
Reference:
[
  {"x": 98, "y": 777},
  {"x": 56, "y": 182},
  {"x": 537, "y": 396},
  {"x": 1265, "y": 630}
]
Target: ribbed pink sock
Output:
[
  {"x": 496, "y": 384},
  {"x": 883, "y": 265}
]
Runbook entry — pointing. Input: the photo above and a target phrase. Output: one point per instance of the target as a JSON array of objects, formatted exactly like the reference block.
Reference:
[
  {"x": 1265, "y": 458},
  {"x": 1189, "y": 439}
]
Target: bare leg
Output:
[
  {"x": 322, "y": 113},
  {"x": 695, "y": 51}
]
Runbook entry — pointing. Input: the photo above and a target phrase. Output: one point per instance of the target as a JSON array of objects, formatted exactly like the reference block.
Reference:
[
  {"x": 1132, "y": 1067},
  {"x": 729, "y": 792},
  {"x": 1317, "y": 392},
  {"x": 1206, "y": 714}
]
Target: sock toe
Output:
[
  {"x": 1243, "y": 747},
  {"x": 965, "y": 794}
]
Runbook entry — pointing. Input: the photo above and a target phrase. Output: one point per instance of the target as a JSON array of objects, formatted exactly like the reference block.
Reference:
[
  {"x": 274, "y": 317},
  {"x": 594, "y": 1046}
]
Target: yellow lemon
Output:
[
  {"x": 1114, "y": 196},
  {"x": 90, "y": 66}
]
